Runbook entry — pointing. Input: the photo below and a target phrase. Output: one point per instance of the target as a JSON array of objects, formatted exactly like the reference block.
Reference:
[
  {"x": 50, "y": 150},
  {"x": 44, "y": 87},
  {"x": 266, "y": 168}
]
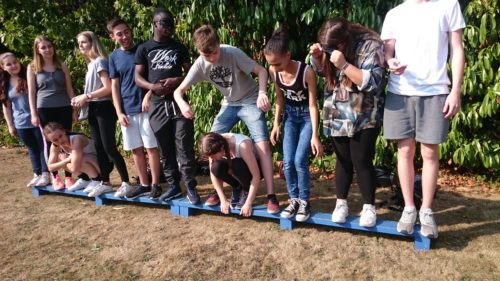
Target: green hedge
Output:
[{"x": 473, "y": 143}]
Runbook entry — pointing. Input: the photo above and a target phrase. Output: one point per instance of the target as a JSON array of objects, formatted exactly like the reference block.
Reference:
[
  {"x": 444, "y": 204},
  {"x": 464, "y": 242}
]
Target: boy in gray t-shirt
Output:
[{"x": 229, "y": 70}]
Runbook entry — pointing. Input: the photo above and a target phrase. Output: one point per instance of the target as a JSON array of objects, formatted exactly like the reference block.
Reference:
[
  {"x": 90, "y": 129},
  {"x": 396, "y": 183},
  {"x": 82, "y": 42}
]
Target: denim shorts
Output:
[
  {"x": 418, "y": 117},
  {"x": 250, "y": 114}
]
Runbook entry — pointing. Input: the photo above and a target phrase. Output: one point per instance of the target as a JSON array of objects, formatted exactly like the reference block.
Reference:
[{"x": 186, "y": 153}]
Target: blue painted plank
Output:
[
  {"x": 101, "y": 198},
  {"x": 142, "y": 199},
  {"x": 182, "y": 207}
]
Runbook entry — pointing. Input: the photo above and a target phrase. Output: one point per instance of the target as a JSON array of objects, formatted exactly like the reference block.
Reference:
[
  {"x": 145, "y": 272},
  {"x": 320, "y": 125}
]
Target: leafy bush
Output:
[{"x": 473, "y": 142}]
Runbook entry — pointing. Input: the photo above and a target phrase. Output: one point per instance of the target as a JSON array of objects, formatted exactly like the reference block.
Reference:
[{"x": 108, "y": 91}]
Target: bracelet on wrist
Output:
[
  {"x": 89, "y": 96},
  {"x": 262, "y": 92},
  {"x": 346, "y": 64}
]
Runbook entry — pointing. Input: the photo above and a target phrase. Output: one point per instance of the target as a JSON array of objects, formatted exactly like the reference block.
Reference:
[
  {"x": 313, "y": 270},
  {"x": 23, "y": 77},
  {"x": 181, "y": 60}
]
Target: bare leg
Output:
[
  {"x": 429, "y": 172},
  {"x": 266, "y": 165},
  {"x": 140, "y": 165},
  {"x": 154, "y": 164},
  {"x": 406, "y": 172}
]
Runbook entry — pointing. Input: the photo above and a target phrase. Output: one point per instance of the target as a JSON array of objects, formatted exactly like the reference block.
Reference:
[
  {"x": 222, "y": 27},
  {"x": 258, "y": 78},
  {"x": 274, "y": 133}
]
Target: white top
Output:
[
  {"x": 421, "y": 32},
  {"x": 238, "y": 139}
]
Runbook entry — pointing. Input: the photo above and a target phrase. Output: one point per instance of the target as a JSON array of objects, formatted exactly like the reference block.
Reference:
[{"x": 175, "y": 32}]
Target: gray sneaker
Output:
[
  {"x": 291, "y": 209},
  {"x": 91, "y": 186},
  {"x": 124, "y": 189},
  {"x": 407, "y": 220},
  {"x": 341, "y": 211},
  {"x": 428, "y": 226},
  {"x": 79, "y": 184},
  {"x": 100, "y": 189},
  {"x": 44, "y": 179},
  {"x": 36, "y": 178}
]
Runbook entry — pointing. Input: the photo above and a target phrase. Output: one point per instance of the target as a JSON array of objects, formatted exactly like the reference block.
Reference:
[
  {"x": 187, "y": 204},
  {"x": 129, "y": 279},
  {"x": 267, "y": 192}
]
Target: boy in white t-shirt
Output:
[{"x": 419, "y": 104}]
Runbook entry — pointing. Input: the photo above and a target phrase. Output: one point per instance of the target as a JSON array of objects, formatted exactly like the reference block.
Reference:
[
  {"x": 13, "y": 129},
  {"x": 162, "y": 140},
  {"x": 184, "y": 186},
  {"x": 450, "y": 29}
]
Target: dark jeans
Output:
[
  {"x": 356, "y": 152},
  {"x": 32, "y": 138},
  {"x": 102, "y": 122},
  {"x": 239, "y": 175},
  {"x": 176, "y": 143}
]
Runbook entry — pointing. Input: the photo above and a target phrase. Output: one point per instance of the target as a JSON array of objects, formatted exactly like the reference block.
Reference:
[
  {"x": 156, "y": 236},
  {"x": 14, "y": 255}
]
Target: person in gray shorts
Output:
[{"x": 419, "y": 103}]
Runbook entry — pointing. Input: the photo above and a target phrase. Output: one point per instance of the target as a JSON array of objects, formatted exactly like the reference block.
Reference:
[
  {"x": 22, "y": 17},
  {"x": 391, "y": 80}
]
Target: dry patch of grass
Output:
[{"x": 64, "y": 238}]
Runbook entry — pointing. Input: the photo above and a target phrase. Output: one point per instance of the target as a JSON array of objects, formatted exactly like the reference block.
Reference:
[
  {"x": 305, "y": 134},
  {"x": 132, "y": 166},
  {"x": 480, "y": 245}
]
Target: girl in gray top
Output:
[
  {"x": 102, "y": 115},
  {"x": 50, "y": 91}
]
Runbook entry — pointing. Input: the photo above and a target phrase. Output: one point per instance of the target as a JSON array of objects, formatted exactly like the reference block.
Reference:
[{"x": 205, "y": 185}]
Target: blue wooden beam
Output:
[{"x": 182, "y": 207}]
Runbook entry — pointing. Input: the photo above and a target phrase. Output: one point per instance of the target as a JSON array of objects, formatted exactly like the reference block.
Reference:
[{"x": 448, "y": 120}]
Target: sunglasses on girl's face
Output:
[{"x": 327, "y": 49}]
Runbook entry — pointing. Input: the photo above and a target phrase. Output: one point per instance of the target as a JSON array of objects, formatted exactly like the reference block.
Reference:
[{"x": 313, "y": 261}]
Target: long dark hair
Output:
[
  {"x": 334, "y": 32},
  {"x": 22, "y": 84}
]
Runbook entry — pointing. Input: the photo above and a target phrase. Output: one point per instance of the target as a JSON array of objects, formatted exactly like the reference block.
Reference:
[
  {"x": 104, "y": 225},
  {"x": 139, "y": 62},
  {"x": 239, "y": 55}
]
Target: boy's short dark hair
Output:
[
  {"x": 114, "y": 22},
  {"x": 206, "y": 39}
]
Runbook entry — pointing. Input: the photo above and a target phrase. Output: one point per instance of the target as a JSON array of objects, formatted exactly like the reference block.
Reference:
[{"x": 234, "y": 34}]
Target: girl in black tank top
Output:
[{"x": 295, "y": 86}]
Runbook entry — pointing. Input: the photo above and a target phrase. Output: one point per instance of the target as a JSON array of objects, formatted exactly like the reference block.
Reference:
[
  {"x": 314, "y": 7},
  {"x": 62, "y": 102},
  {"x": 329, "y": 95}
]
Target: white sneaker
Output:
[
  {"x": 407, "y": 220},
  {"x": 79, "y": 184},
  {"x": 341, "y": 211},
  {"x": 100, "y": 189},
  {"x": 44, "y": 179},
  {"x": 91, "y": 186},
  {"x": 368, "y": 216},
  {"x": 124, "y": 189},
  {"x": 428, "y": 226},
  {"x": 33, "y": 181}
]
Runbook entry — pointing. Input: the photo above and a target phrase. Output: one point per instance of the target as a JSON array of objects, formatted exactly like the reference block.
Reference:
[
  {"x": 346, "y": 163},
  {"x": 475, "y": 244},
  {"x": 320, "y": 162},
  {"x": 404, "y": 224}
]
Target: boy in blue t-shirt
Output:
[{"x": 132, "y": 115}]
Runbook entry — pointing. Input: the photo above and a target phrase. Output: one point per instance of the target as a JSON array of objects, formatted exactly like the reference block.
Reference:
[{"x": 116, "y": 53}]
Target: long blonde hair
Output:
[
  {"x": 97, "y": 49},
  {"x": 37, "y": 63}
]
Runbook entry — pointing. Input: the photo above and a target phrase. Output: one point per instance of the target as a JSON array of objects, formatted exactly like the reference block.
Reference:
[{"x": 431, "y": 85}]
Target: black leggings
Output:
[
  {"x": 62, "y": 115},
  {"x": 102, "y": 122},
  {"x": 240, "y": 174},
  {"x": 356, "y": 152}
]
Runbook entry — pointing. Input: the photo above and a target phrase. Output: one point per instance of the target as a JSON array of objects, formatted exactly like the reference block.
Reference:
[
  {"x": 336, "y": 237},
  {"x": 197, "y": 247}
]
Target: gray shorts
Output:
[{"x": 420, "y": 118}]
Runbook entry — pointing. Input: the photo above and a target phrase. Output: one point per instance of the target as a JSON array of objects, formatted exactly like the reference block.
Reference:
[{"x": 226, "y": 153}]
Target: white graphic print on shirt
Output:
[{"x": 163, "y": 59}]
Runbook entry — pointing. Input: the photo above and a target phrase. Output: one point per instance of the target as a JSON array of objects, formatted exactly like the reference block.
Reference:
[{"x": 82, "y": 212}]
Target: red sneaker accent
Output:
[
  {"x": 212, "y": 199},
  {"x": 273, "y": 207}
]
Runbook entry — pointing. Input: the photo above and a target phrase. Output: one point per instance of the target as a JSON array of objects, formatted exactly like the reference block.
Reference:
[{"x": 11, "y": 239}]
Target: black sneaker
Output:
[
  {"x": 235, "y": 195},
  {"x": 291, "y": 210},
  {"x": 192, "y": 196},
  {"x": 243, "y": 199},
  {"x": 140, "y": 190},
  {"x": 155, "y": 191},
  {"x": 304, "y": 211},
  {"x": 173, "y": 191}
]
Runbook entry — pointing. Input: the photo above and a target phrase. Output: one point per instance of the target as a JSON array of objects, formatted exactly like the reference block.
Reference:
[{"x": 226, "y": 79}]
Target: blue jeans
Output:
[
  {"x": 32, "y": 138},
  {"x": 297, "y": 132},
  {"x": 250, "y": 114}
]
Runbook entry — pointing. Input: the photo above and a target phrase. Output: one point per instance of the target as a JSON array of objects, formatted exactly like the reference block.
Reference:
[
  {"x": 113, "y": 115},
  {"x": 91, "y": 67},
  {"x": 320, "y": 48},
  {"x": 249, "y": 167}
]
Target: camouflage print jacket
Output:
[{"x": 364, "y": 107}]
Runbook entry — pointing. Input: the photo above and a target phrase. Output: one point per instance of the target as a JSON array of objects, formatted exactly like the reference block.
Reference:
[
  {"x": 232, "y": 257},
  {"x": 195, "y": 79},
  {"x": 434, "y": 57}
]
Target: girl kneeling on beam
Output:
[
  {"x": 72, "y": 152},
  {"x": 232, "y": 160}
]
